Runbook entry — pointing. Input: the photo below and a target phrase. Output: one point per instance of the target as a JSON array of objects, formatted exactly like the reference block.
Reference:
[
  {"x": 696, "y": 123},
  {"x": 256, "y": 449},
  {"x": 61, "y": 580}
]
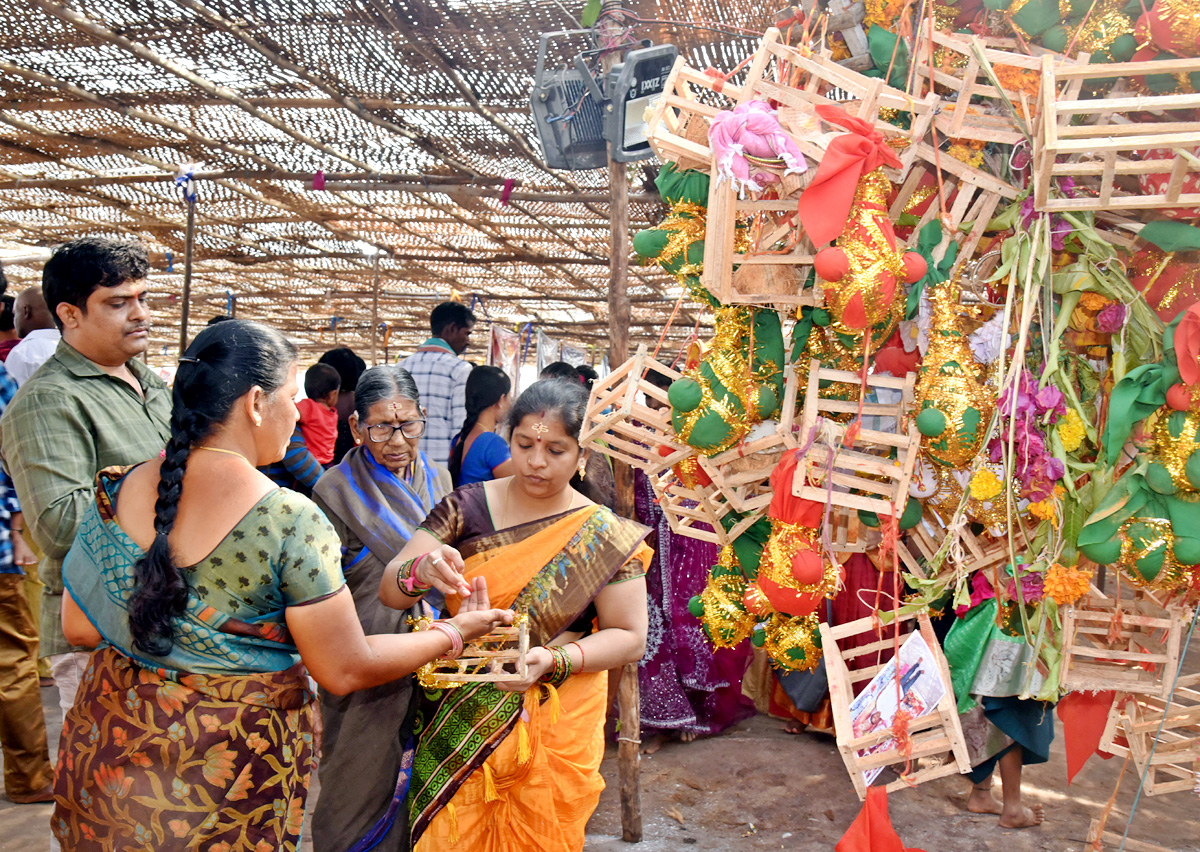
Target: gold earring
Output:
[
  {"x": 582, "y": 467},
  {"x": 257, "y": 419}
]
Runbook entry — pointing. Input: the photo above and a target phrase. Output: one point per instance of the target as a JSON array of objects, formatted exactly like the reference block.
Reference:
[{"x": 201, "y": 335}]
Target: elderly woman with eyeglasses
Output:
[{"x": 375, "y": 498}]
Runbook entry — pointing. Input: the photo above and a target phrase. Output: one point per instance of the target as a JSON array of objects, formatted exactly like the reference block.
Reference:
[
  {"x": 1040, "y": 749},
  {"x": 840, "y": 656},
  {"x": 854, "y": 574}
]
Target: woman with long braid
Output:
[
  {"x": 478, "y": 454},
  {"x": 210, "y": 595}
]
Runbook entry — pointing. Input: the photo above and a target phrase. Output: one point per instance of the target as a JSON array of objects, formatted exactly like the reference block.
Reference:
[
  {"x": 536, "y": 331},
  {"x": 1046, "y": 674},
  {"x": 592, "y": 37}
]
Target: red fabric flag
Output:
[
  {"x": 872, "y": 829},
  {"x": 1083, "y": 716},
  {"x": 825, "y": 205}
]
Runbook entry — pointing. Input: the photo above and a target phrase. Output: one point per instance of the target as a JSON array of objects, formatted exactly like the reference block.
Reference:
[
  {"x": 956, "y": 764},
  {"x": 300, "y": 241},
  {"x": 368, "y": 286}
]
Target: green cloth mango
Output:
[
  {"x": 931, "y": 422},
  {"x": 868, "y": 519},
  {"x": 696, "y": 606},
  {"x": 709, "y": 431},
  {"x": 1056, "y": 38},
  {"x": 684, "y": 394},
  {"x": 911, "y": 515},
  {"x": 748, "y": 546},
  {"x": 650, "y": 242},
  {"x": 1159, "y": 479},
  {"x": 682, "y": 186},
  {"x": 1191, "y": 470},
  {"x": 1037, "y": 16},
  {"x": 1187, "y": 550}
]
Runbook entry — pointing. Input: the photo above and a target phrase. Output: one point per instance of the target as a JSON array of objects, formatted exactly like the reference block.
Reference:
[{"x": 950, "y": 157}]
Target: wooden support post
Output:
[
  {"x": 628, "y": 704},
  {"x": 375, "y": 314},
  {"x": 188, "y": 250},
  {"x": 629, "y": 754}
]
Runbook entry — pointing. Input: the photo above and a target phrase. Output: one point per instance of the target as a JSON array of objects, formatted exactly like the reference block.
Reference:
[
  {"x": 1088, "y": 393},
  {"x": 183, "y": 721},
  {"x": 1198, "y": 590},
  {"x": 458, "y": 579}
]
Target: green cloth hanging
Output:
[
  {"x": 881, "y": 44},
  {"x": 1171, "y": 236},
  {"x": 937, "y": 271}
]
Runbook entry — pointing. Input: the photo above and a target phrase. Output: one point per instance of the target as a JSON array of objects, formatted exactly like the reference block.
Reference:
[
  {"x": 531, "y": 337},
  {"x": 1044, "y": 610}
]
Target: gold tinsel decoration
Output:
[
  {"x": 725, "y": 618},
  {"x": 784, "y": 542},
  {"x": 727, "y": 359},
  {"x": 687, "y": 223},
  {"x": 953, "y": 381},
  {"x": 870, "y": 255},
  {"x": 785, "y": 634},
  {"x": 1173, "y": 452},
  {"x": 1172, "y": 576},
  {"x": 1104, "y": 26}
]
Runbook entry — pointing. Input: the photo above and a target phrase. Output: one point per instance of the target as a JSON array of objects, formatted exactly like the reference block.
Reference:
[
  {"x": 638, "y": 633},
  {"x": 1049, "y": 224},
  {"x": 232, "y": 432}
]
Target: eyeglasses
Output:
[{"x": 381, "y": 433}]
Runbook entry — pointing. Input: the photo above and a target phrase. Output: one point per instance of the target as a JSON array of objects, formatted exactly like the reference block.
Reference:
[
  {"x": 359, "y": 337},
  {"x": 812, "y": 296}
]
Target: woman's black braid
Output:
[{"x": 160, "y": 587}]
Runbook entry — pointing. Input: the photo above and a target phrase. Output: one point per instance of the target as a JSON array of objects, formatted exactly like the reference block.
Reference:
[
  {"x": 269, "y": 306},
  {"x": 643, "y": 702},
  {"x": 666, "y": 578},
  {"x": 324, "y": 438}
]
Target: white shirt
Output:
[{"x": 34, "y": 350}]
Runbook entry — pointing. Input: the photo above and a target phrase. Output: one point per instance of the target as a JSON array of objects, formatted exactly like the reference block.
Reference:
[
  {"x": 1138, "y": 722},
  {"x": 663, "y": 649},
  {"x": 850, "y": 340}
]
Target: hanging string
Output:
[{"x": 667, "y": 327}]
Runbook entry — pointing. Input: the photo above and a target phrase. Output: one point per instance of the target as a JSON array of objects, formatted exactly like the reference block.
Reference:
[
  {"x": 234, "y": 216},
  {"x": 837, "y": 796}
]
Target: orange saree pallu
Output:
[{"x": 503, "y": 771}]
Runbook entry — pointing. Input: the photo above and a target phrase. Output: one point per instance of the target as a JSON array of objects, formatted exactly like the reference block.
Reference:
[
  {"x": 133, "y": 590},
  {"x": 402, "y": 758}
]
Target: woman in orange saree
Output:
[{"x": 515, "y": 766}]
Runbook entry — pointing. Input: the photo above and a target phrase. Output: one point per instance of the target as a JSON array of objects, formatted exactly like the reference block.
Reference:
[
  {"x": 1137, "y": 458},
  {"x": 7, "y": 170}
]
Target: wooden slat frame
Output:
[
  {"x": 892, "y": 491},
  {"x": 1149, "y": 634},
  {"x": 476, "y": 653},
  {"x": 1098, "y": 138},
  {"x": 937, "y": 733},
  {"x": 619, "y": 424}
]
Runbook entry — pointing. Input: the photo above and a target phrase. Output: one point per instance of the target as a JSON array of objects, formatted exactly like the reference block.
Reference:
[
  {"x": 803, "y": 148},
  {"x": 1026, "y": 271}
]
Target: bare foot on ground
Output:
[
  {"x": 687, "y": 736},
  {"x": 1024, "y": 817},
  {"x": 653, "y": 744},
  {"x": 981, "y": 801},
  {"x": 794, "y": 726}
]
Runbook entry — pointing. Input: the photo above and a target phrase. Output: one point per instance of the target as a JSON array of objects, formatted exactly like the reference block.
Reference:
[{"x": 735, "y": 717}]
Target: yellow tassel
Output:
[
  {"x": 453, "y": 823},
  {"x": 489, "y": 785},
  {"x": 555, "y": 704},
  {"x": 524, "y": 752}
]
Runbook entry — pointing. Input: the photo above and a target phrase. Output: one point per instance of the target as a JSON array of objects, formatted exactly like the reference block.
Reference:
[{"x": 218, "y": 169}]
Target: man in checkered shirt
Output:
[{"x": 441, "y": 377}]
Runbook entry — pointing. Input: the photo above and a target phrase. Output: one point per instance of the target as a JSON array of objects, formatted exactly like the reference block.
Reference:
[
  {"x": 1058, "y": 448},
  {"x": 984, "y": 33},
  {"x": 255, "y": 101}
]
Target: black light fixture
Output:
[{"x": 577, "y": 116}]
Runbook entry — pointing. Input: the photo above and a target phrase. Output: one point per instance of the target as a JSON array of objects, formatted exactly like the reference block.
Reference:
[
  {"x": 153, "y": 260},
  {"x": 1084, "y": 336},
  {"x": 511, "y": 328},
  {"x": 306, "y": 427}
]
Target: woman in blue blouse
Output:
[{"x": 478, "y": 454}]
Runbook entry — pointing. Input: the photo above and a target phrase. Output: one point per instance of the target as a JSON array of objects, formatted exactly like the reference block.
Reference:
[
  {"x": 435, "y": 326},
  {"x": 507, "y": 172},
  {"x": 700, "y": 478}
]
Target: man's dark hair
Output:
[
  {"x": 349, "y": 366},
  {"x": 218, "y": 318},
  {"x": 7, "y": 319},
  {"x": 78, "y": 268},
  {"x": 450, "y": 313},
  {"x": 3, "y": 281},
  {"x": 560, "y": 370},
  {"x": 320, "y": 380}
]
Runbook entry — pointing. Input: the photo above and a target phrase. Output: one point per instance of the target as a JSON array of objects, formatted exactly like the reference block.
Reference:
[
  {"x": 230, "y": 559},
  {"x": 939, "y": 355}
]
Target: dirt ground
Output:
[{"x": 757, "y": 788}]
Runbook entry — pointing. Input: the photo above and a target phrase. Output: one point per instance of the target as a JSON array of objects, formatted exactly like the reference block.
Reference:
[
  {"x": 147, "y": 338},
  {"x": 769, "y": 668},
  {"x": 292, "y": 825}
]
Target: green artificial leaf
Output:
[
  {"x": 1171, "y": 236},
  {"x": 591, "y": 11}
]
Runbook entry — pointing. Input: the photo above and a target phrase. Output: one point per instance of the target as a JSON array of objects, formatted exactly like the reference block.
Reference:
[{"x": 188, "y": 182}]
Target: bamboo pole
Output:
[
  {"x": 188, "y": 249},
  {"x": 619, "y": 317},
  {"x": 375, "y": 315}
]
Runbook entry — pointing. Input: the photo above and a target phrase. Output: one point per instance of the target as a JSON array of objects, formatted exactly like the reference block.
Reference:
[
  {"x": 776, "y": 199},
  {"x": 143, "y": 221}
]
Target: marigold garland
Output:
[
  {"x": 1071, "y": 430},
  {"x": 985, "y": 485},
  {"x": 1065, "y": 585}
]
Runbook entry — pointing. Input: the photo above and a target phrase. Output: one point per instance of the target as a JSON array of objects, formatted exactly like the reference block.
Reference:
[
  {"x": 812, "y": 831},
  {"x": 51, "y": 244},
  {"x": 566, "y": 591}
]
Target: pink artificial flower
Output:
[{"x": 1112, "y": 318}]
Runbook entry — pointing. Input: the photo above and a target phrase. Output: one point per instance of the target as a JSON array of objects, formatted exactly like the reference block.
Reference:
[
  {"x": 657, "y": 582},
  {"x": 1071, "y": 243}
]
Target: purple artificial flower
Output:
[
  {"x": 1111, "y": 319},
  {"x": 1060, "y": 229},
  {"x": 1050, "y": 398},
  {"x": 1066, "y": 186},
  {"x": 1032, "y": 586},
  {"x": 1028, "y": 214}
]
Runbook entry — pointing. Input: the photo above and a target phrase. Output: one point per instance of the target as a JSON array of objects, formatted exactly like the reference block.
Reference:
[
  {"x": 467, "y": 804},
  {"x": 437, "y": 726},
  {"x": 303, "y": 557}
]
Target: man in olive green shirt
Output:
[{"x": 92, "y": 405}]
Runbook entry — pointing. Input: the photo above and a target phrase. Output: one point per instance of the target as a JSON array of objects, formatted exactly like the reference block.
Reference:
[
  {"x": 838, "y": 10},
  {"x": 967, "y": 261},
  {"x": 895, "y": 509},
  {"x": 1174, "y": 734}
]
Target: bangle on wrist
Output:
[
  {"x": 406, "y": 578},
  {"x": 561, "y": 667},
  {"x": 582, "y": 659},
  {"x": 454, "y": 635}
]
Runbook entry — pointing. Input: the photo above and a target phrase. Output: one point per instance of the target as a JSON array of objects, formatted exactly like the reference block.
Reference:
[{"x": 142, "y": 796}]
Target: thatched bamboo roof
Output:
[{"x": 416, "y": 111}]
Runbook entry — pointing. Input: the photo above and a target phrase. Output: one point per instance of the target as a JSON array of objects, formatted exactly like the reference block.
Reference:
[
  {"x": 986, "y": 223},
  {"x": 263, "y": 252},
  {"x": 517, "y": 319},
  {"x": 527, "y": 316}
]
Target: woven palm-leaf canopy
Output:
[{"x": 414, "y": 113}]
